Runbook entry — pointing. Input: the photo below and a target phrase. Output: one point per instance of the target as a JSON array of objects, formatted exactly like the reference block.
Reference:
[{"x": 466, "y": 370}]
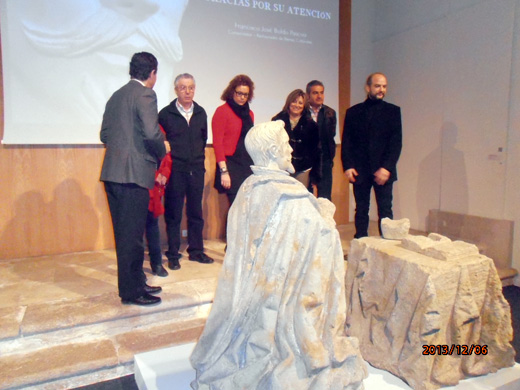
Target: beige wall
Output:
[{"x": 53, "y": 202}]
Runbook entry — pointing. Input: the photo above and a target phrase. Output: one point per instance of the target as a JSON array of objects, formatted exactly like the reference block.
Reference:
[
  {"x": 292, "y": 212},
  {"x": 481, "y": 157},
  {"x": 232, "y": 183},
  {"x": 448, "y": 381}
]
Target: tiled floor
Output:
[{"x": 62, "y": 324}]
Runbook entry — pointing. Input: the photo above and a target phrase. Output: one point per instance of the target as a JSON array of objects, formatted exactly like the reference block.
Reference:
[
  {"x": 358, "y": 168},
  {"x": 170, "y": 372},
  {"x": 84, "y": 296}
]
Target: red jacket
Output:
[
  {"x": 226, "y": 127},
  {"x": 157, "y": 192}
]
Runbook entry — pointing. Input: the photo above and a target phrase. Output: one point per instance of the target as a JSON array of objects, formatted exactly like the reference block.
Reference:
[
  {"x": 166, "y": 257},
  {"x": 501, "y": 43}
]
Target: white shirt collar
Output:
[
  {"x": 182, "y": 109},
  {"x": 139, "y": 81}
]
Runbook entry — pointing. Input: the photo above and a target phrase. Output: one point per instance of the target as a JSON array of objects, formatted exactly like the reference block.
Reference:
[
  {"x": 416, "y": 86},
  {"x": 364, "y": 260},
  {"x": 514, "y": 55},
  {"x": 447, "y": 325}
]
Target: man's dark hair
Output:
[
  {"x": 311, "y": 84},
  {"x": 141, "y": 65}
]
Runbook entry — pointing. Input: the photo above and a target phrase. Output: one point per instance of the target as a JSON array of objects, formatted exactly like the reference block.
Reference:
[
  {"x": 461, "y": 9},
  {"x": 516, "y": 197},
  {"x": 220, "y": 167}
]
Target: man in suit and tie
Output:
[
  {"x": 370, "y": 147},
  {"x": 134, "y": 145}
]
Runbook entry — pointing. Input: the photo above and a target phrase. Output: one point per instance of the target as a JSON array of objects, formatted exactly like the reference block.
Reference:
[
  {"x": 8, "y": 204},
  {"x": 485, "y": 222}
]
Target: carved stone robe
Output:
[{"x": 279, "y": 310}]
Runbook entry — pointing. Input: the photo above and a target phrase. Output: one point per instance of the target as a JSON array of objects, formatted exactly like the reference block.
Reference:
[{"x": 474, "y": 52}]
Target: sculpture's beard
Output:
[
  {"x": 285, "y": 164},
  {"x": 290, "y": 169}
]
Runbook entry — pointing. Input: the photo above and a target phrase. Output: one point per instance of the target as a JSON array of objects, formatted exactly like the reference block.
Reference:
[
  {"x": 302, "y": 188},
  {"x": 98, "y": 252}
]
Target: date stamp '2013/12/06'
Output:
[{"x": 455, "y": 349}]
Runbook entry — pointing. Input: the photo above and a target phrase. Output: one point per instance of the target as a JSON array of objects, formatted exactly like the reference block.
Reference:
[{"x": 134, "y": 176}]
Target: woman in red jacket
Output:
[{"x": 230, "y": 124}]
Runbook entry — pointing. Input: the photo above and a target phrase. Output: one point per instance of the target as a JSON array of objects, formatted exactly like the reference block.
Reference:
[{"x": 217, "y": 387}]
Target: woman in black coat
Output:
[{"x": 303, "y": 137}]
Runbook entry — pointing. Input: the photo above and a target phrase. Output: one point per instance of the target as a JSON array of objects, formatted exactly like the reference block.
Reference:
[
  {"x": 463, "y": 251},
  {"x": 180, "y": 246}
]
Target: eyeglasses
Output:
[
  {"x": 242, "y": 94},
  {"x": 183, "y": 88}
]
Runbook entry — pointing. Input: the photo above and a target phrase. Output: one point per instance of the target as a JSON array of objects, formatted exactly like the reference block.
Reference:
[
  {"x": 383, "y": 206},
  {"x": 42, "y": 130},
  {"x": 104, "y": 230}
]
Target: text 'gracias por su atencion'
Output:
[{"x": 277, "y": 7}]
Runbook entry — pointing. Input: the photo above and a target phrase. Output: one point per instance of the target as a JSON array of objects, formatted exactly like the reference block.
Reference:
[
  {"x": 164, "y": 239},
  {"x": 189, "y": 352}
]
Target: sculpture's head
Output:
[{"x": 268, "y": 145}]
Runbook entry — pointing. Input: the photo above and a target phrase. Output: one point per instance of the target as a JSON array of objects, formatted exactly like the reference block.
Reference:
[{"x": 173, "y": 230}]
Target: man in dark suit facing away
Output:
[
  {"x": 370, "y": 147},
  {"x": 134, "y": 145}
]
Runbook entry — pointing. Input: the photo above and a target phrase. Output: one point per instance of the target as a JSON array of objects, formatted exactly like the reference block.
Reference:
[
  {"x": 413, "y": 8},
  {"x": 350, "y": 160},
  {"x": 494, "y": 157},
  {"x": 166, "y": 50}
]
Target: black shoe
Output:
[
  {"x": 143, "y": 300},
  {"x": 159, "y": 271},
  {"x": 152, "y": 289},
  {"x": 173, "y": 264},
  {"x": 201, "y": 258}
]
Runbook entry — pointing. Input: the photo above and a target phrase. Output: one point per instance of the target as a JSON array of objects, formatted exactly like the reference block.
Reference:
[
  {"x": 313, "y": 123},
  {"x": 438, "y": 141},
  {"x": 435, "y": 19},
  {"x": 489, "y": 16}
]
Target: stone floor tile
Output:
[
  {"x": 55, "y": 362},
  {"x": 28, "y": 292},
  {"x": 10, "y": 319},
  {"x": 153, "y": 338},
  {"x": 53, "y": 315}
]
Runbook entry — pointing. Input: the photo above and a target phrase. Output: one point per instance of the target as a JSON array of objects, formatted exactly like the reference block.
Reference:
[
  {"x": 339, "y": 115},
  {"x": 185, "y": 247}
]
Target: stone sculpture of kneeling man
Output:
[{"x": 279, "y": 310}]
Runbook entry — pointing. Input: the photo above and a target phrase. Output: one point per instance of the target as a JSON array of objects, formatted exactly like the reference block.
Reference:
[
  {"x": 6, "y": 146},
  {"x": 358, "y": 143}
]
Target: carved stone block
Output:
[
  {"x": 395, "y": 229},
  {"x": 427, "y": 321}
]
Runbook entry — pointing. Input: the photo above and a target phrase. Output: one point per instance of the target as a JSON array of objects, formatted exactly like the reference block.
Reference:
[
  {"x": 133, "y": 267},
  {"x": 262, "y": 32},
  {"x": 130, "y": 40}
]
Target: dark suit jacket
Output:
[
  {"x": 327, "y": 125},
  {"x": 130, "y": 131},
  {"x": 372, "y": 138}
]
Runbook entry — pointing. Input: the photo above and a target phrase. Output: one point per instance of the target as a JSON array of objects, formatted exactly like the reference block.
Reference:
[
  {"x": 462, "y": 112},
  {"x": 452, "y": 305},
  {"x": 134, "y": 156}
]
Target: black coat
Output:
[
  {"x": 327, "y": 125},
  {"x": 187, "y": 141},
  {"x": 372, "y": 138},
  {"x": 305, "y": 141}
]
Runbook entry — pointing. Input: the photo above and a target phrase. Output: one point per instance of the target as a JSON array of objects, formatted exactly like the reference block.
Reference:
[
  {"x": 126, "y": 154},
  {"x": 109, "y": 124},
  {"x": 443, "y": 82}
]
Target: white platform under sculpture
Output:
[{"x": 170, "y": 369}]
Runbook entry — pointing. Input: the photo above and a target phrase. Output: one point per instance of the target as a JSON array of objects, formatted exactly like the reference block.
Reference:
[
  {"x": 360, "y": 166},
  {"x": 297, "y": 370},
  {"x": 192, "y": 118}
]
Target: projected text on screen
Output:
[{"x": 62, "y": 59}]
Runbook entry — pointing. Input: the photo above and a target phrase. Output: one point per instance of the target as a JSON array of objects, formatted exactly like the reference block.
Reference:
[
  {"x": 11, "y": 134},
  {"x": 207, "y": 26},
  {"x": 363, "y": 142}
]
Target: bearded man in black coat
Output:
[{"x": 371, "y": 146}]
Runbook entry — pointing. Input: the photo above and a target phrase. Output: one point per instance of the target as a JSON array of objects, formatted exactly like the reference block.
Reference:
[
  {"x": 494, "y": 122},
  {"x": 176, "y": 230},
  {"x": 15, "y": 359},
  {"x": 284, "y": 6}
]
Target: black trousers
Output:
[
  {"x": 362, "y": 196},
  {"x": 189, "y": 187},
  {"x": 128, "y": 205},
  {"x": 231, "y": 197},
  {"x": 324, "y": 186},
  {"x": 153, "y": 238}
]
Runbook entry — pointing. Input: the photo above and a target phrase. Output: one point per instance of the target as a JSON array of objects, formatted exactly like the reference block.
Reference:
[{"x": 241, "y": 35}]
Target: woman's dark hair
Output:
[
  {"x": 237, "y": 81},
  {"x": 292, "y": 97},
  {"x": 141, "y": 65}
]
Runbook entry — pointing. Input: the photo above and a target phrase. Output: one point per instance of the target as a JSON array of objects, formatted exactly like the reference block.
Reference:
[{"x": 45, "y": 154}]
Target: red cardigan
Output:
[
  {"x": 226, "y": 127},
  {"x": 156, "y": 193}
]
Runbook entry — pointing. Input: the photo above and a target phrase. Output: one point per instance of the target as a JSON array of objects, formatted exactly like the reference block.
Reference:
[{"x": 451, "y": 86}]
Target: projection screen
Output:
[{"x": 62, "y": 59}]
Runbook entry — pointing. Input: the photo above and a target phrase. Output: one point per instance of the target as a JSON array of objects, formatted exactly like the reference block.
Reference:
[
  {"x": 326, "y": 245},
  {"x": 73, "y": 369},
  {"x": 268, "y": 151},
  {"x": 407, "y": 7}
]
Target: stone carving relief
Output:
[{"x": 428, "y": 310}]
